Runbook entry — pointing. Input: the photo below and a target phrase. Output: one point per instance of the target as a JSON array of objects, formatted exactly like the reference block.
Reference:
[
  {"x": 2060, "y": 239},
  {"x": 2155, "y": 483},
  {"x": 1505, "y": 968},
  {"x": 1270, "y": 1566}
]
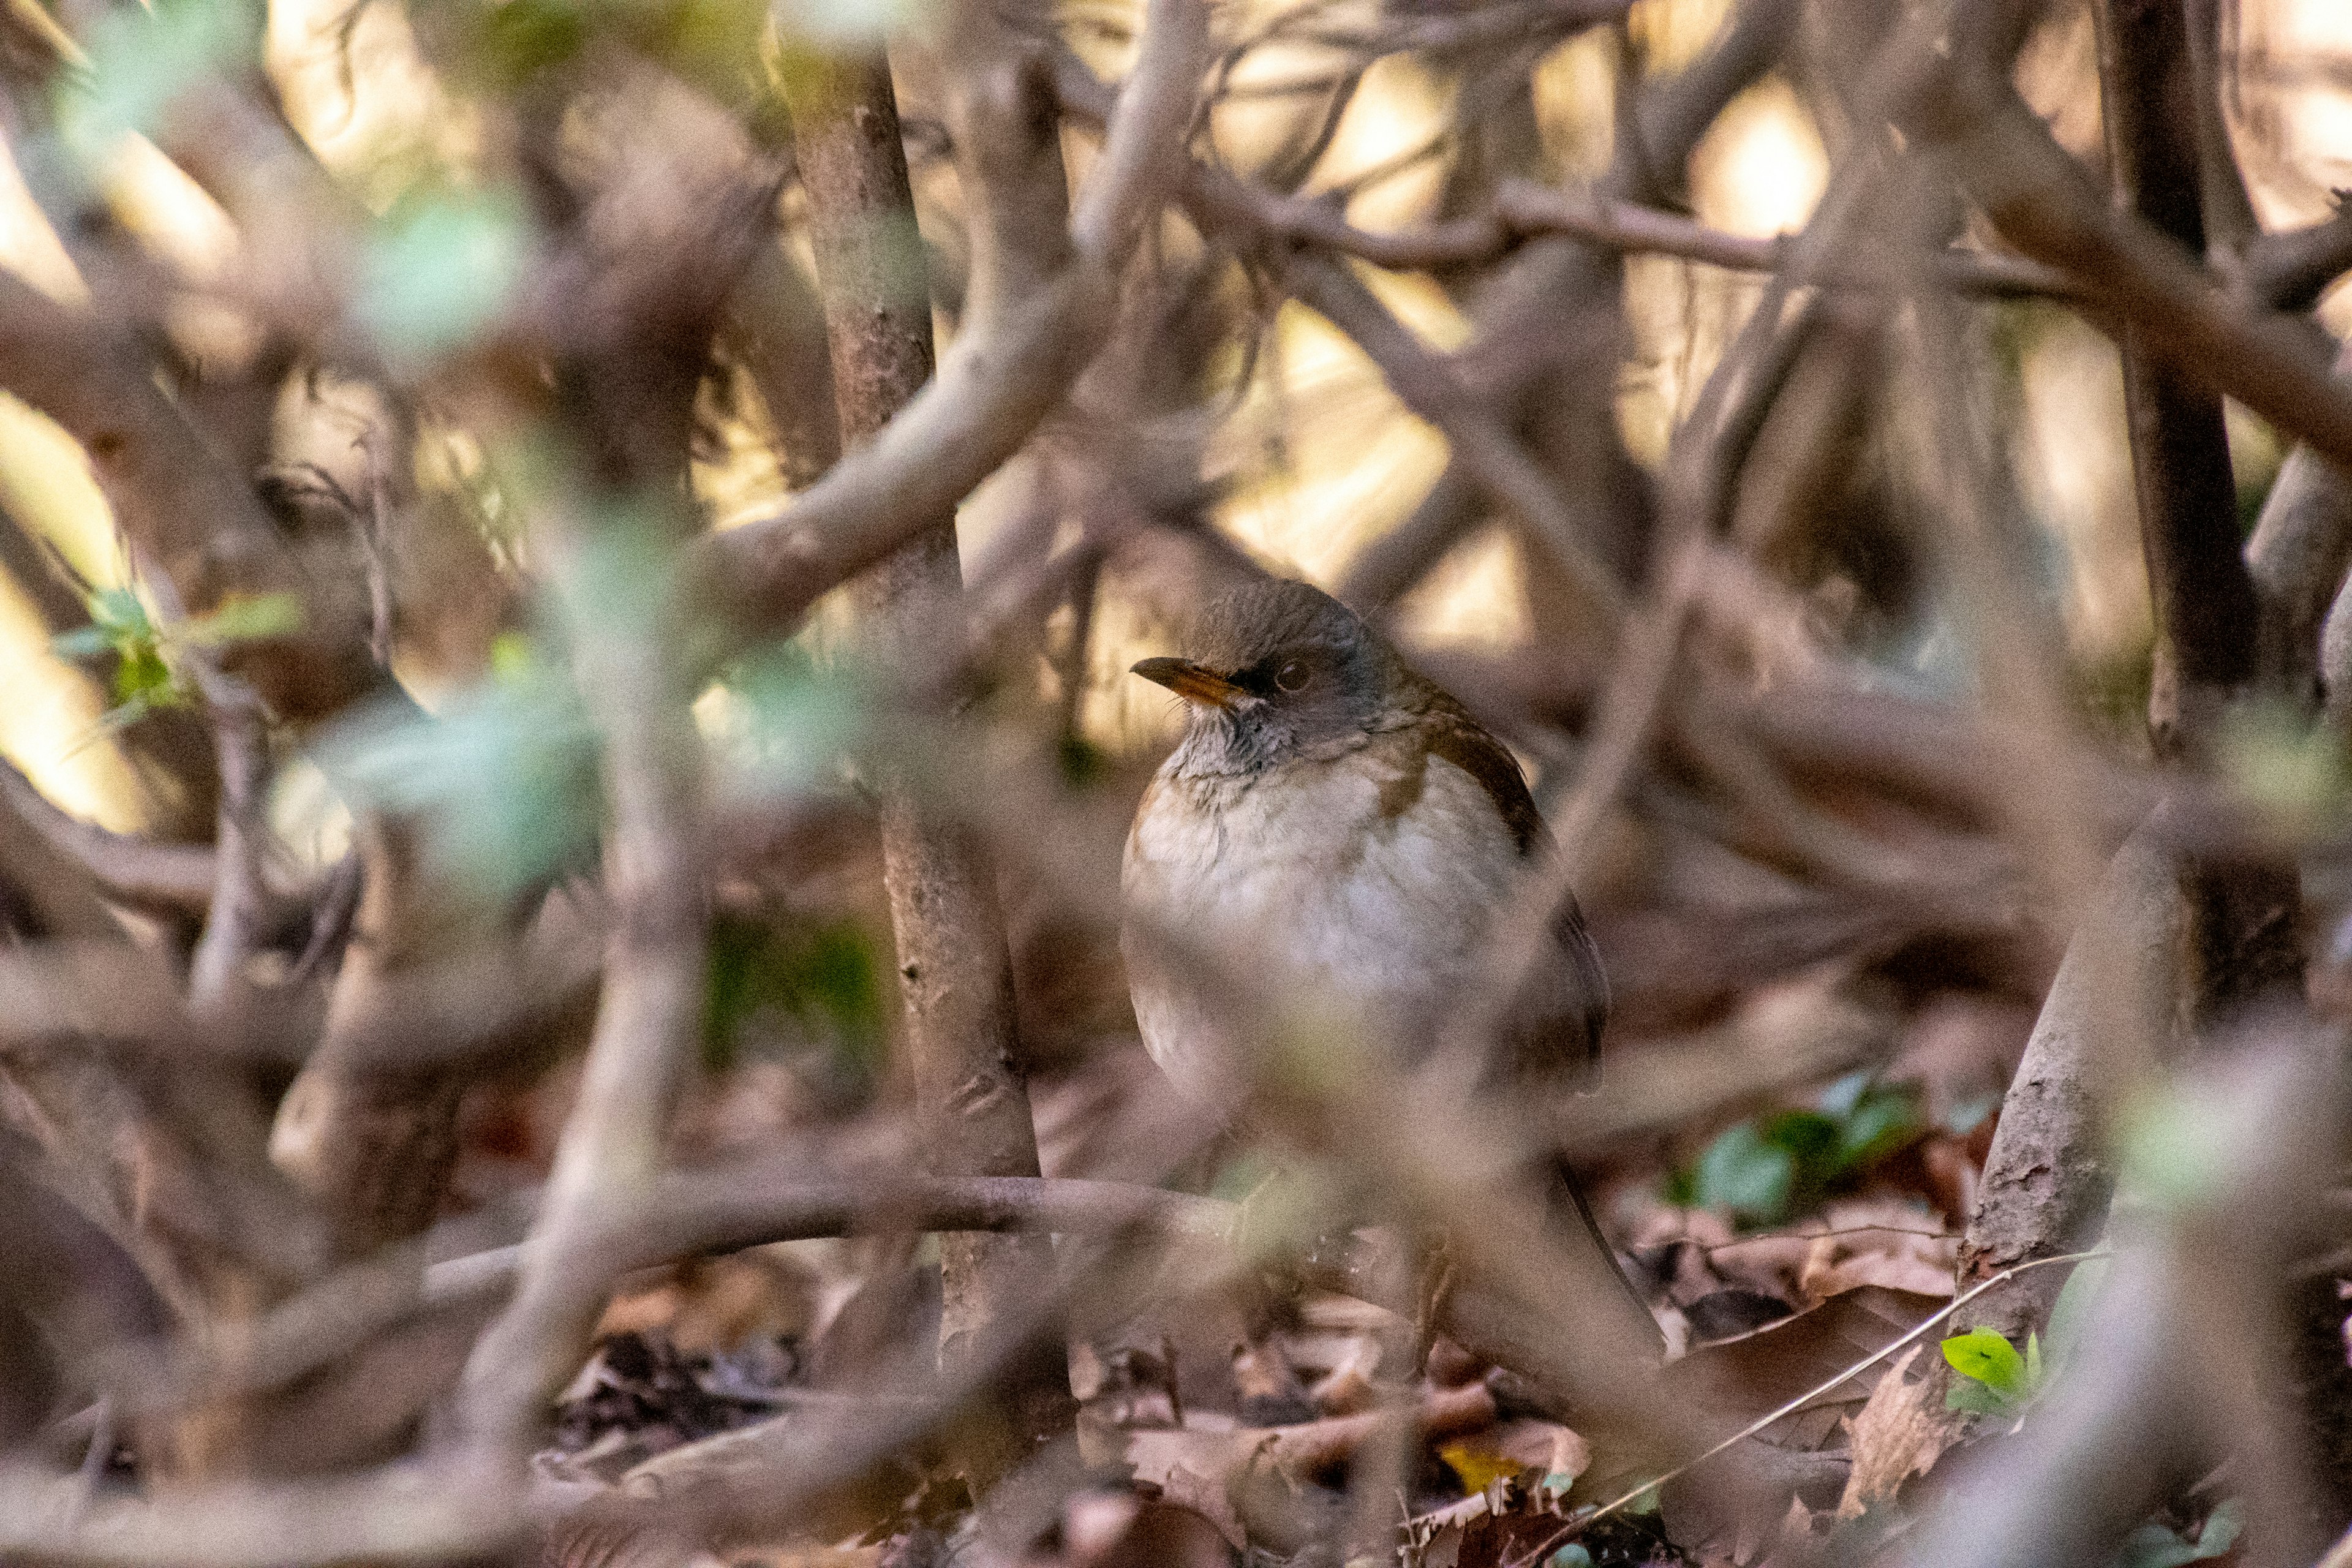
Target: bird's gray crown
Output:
[
  {"x": 1239, "y": 629},
  {"x": 1295, "y": 674}
]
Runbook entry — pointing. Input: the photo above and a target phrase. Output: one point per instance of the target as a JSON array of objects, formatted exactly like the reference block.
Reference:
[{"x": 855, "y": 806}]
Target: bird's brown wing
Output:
[
  {"x": 1553, "y": 1028},
  {"x": 1552, "y": 1035}
]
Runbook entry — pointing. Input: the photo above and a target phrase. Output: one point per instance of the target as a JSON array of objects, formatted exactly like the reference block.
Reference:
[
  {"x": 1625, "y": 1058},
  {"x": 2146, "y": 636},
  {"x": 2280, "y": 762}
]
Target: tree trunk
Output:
[{"x": 955, "y": 971}]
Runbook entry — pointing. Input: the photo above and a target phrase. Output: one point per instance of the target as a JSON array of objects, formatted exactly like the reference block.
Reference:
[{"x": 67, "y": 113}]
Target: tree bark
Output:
[
  {"x": 955, "y": 969},
  {"x": 2242, "y": 934}
]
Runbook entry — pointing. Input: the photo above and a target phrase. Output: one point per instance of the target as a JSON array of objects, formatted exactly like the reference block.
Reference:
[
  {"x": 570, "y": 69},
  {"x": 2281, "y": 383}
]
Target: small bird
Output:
[{"x": 1345, "y": 823}]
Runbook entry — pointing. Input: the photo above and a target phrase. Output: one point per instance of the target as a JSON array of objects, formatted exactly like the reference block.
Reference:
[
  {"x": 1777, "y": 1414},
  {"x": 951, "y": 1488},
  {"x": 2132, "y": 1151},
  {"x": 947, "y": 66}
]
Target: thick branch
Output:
[
  {"x": 647, "y": 1024},
  {"x": 2297, "y": 556},
  {"x": 2130, "y": 276},
  {"x": 1015, "y": 358},
  {"x": 955, "y": 968},
  {"x": 183, "y": 510}
]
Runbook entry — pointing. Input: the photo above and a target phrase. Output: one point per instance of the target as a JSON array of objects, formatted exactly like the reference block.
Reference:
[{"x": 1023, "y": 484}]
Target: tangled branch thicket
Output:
[{"x": 568, "y": 573}]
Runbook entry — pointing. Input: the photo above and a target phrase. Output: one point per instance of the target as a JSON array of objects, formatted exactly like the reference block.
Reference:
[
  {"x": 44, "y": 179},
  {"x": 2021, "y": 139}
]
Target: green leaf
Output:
[
  {"x": 523, "y": 36},
  {"x": 144, "y": 677},
  {"x": 2172, "y": 1153},
  {"x": 2072, "y": 1313},
  {"x": 1809, "y": 1136},
  {"x": 1841, "y": 1098},
  {"x": 1975, "y": 1398},
  {"x": 1882, "y": 1122},
  {"x": 1968, "y": 1115},
  {"x": 246, "y": 618},
  {"x": 439, "y": 271},
  {"x": 1746, "y": 1177},
  {"x": 2153, "y": 1545},
  {"x": 122, "y": 611},
  {"x": 504, "y": 778},
  {"x": 796, "y": 721},
  {"x": 143, "y": 60},
  {"x": 826, "y": 979},
  {"x": 1572, "y": 1555},
  {"x": 2223, "y": 1527},
  {"x": 82, "y": 642},
  {"x": 2033, "y": 1361},
  {"x": 1988, "y": 1358}
]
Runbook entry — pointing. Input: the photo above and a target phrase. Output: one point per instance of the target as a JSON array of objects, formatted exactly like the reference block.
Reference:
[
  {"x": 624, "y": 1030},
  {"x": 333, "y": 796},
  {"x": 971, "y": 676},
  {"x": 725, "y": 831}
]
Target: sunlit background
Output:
[{"x": 1318, "y": 456}]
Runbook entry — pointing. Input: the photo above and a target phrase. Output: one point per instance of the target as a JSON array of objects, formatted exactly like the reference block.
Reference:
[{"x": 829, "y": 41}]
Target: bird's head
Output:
[{"x": 1277, "y": 669}]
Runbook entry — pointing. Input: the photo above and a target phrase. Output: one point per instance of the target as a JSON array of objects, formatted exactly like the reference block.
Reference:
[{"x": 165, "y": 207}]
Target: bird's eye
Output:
[{"x": 1293, "y": 676}]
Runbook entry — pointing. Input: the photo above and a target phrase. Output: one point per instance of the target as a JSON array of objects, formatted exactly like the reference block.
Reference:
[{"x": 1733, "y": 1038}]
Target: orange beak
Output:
[{"x": 1190, "y": 682}]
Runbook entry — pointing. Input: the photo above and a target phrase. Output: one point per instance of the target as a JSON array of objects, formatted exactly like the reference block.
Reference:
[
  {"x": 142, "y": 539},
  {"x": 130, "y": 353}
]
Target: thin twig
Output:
[{"x": 1584, "y": 1521}]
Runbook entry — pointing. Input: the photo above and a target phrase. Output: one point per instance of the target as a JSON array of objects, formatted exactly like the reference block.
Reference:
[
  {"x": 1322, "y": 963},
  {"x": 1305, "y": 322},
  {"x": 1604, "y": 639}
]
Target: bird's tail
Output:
[{"x": 1574, "y": 1223}]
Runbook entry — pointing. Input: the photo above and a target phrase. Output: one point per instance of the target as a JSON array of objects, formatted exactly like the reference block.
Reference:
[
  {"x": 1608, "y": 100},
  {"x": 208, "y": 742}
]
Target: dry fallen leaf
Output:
[
  {"x": 1198, "y": 1465},
  {"x": 1901, "y": 1431},
  {"x": 1879, "y": 1241},
  {"x": 1552, "y": 1454}
]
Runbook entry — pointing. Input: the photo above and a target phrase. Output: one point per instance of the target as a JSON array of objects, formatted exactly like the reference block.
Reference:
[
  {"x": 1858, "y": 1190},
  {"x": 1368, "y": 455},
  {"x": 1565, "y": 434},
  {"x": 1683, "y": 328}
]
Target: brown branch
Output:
[
  {"x": 2290, "y": 269},
  {"x": 2049, "y": 1177},
  {"x": 2204, "y": 599},
  {"x": 184, "y": 510},
  {"x": 1021, "y": 348},
  {"x": 954, "y": 966},
  {"x": 139, "y": 871},
  {"x": 648, "y": 1019},
  {"x": 371, "y": 1133},
  {"x": 685, "y": 1213},
  {"x": 2181, "y": 1364},
  {"x": 2297, "y": 557},
  {"x": 2242, "y": 932},
  {"x": 2130, "y": 276},
  {"x": 407, "y": 1516},
  {"x": 239, "y": 911},
  {"x": 1524, "y": 209},
  {"x": 1484, "y": 446}
]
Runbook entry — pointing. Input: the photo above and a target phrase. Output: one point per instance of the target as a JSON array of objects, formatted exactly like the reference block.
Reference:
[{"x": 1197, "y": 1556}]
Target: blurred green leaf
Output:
[
  {"x": 826, "y": 978},
  {"x": 438, "y": 269},
  {"x": 1968, "y": 1115},
  {"x": 504, "y": 777},
  {"x": 1842, "y": 1096},
  {"x": 1083, "y": 764},
  {"x": 82, "y": 642},
  {"x": 1882, "y": 1122},
  {"x": 2153, "y": 1545},
  {"x": 522, "y": 37},
  {"x": 1746, "y": 1177},
  {"x": 143, "y": 680},
  {"x": 142, "y": 60},
  {"x": 2072, "y": 1313},
  {"x": 246, "y": 618},
  {"x": 791, "y": 722},
  {"x": 1759, "y": 1173},
  {"x": 833, "y": 24},
  {"x": 2170, "y": 1153},
  {"x": 1975, "y": 1399},
  {"x": 2286, "y": 764}
]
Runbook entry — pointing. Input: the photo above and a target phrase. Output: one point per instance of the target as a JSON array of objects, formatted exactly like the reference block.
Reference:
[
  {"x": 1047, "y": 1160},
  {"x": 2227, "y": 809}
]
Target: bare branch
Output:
[
  {"x": 647, "y": 1022},
  {"x": 183, "y": 510},
  {"x": 2042, "y": 203},
  {"x": 955, "y": 969},
  {"x": 1019, "y": 354},
  {"x": 139, "y": 871}
]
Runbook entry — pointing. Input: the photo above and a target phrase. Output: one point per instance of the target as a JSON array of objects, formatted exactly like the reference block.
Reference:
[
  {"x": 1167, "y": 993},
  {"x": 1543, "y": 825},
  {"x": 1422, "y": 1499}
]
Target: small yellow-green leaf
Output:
[{"x": 1984, "y": 1356}]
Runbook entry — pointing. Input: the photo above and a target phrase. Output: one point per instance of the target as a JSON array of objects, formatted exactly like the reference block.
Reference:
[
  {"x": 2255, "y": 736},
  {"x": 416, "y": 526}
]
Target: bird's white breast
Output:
[{"x": 1338, "y": 883}]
